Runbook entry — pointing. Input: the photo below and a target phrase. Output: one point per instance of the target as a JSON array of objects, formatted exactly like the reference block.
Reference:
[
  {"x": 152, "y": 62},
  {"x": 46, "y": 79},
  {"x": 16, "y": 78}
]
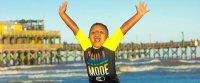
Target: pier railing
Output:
[
  {"x": 158, "y": 45},
  {"x": 27, "y": 47},
  {"x": 30, "y": 33},
  {"x": 132, "y": 46},
  {"x": 45, "y": 53}
]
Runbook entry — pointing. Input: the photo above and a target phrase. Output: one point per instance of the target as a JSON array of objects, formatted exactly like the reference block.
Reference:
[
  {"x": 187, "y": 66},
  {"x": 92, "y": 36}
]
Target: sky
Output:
[{"x": 167, "y": 20}]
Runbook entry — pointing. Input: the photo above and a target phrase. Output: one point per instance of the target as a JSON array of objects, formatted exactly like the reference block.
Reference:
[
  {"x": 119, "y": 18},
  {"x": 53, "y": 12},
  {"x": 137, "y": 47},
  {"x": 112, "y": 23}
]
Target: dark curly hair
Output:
[{"x": 101, "y": 24}]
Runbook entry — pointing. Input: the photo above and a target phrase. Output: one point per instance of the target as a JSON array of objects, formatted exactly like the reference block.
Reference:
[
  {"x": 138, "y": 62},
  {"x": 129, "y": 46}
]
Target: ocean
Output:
[{"x": 129, "y": 71}]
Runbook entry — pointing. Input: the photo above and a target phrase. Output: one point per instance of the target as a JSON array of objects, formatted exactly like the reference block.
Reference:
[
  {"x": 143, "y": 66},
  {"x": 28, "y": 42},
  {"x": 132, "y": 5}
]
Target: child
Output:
[{"x": 99, "y": 48}]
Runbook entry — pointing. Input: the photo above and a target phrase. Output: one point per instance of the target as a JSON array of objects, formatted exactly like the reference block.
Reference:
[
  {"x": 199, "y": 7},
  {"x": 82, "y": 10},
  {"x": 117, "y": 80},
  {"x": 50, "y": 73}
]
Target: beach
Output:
[{"x": 129, "y": 71}]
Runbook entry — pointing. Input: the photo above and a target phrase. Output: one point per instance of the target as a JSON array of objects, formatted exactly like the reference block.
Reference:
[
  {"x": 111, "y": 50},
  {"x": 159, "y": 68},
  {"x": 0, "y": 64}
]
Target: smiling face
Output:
[{"x": 98, "y": 35}]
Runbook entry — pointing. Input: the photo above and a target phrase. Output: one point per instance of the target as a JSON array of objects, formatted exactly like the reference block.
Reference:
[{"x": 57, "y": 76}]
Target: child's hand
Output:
[
  {"x": 68, "y": 21},
  {"x": 142, "y": 8},
  {"x": 62, "y": 8}
]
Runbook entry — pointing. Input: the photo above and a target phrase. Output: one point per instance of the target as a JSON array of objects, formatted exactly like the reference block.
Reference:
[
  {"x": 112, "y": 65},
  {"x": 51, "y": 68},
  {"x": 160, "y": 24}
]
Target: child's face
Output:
[{"x": 98, "y": 35}]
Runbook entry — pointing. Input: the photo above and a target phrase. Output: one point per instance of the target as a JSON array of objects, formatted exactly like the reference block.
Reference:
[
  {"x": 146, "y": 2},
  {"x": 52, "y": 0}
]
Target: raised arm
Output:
[
  {"x": 68, "y": 21},
  {"x": 141, "y": 10}
]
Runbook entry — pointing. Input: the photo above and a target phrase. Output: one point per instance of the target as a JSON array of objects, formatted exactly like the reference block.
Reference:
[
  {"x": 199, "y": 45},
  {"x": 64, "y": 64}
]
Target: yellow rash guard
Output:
[{"x": 100, "y": 62}]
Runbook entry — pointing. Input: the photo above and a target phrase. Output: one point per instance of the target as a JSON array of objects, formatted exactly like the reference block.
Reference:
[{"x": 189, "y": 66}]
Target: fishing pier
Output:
[{"x": 27, "y": 43}]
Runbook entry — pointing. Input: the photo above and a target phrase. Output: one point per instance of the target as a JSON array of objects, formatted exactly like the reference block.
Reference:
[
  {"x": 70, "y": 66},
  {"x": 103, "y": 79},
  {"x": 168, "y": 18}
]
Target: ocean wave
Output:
[
  {"x": 39, "y": 71},
  {"x": 177, "y": 71},
  {"x": 37, "y": 81},
  {"x": 159, "y": 62},
  {"x": 136, "y": 69},
  {"x": 38, "y": 66},
  {"x": 132, "y": 63},
  {"x": 151, "y": 67},
  {"x": 190, "y": 61},
  {"x": 26, "y": 67},
  {"x": 154, "y": 61},
  {"x": 180, "y": 61},
  {"x": 134, "y": 59},
  {"x": 76, "y": 64},
  {"x": 13, "y": 76},
  {"x": 121, "y": 66},
  {"x": 44, "y": 75},
  {"x": 186, "y": 67},
  {"x": 56, "y": 75}
]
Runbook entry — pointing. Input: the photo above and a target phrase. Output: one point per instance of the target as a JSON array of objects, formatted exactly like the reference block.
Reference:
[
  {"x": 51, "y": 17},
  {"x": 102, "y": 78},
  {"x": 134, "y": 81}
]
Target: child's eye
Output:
[
  {"x": 92, "y": 32},
  {"x": 101, "y": 32}
]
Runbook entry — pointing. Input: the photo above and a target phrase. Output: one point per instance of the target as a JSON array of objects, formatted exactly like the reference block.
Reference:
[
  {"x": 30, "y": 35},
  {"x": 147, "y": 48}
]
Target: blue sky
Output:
[{"x": 165, "y": 21}]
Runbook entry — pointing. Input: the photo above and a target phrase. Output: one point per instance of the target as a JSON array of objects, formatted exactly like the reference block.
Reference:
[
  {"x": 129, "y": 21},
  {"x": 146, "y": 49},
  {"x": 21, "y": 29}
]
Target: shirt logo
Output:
[{"x": 97, "y": 63}]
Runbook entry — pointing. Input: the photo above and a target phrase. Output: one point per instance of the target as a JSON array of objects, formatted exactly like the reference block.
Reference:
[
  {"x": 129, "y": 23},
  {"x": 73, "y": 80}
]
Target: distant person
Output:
[{"x": 99, "y": 48}]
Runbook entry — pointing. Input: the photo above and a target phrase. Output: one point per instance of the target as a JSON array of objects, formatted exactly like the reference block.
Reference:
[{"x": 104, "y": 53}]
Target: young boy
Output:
[{"x": 99, "y": 48}]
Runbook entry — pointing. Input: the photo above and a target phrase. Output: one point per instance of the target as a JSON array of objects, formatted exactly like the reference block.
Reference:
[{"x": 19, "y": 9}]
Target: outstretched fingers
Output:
[
  {"x": 142, "y": 8},
  {"x": 145, "y": 6},
  {"x": 62, "y": 8},
  {"x": 64, "y": 5}
]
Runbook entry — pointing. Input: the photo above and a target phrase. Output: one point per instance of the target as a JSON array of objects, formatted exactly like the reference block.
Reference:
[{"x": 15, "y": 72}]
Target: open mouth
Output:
[{"x": 97, "y": 39}]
